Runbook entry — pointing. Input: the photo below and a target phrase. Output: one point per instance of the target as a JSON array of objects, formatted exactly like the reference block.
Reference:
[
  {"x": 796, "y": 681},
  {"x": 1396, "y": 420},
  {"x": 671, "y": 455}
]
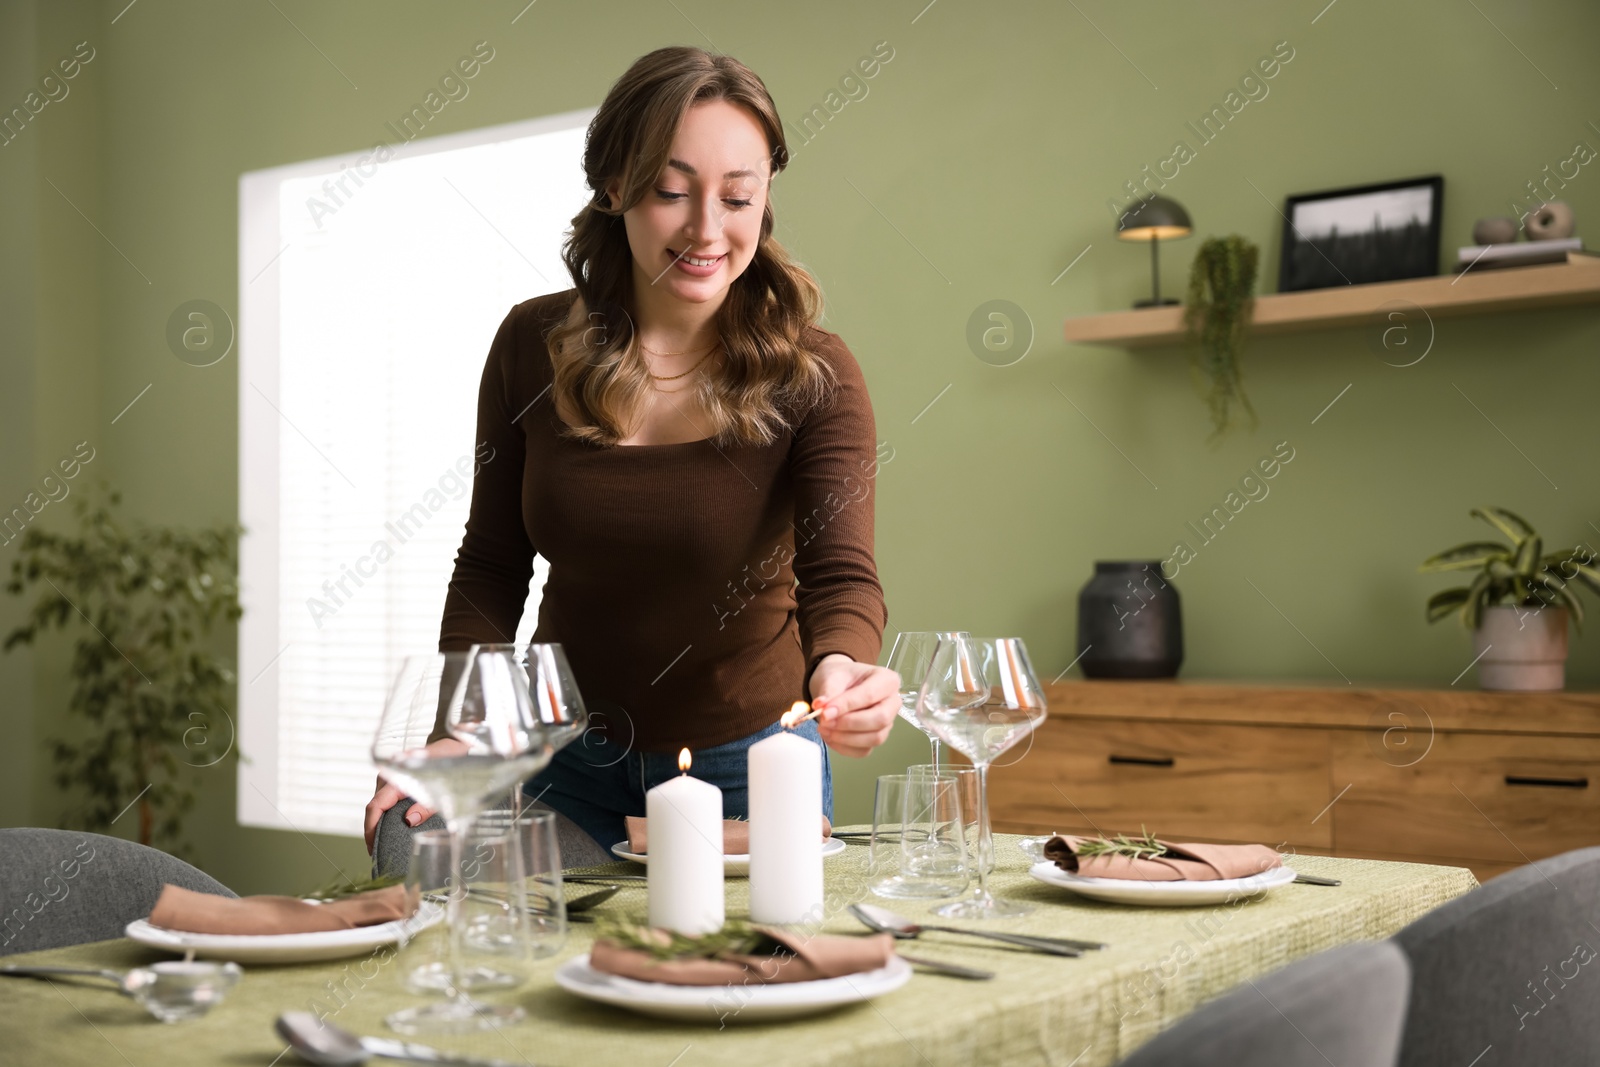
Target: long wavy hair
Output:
[{"x": 768, "y": 376}]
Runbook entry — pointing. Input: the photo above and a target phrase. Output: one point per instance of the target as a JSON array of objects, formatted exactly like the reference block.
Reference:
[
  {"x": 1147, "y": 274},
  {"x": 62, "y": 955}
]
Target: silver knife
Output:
[{"x": 952, "y": 969}]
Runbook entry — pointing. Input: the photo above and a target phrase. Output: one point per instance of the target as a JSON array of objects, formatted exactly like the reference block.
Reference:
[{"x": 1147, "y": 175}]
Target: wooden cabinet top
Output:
[{"x": 1324, "y": 704}]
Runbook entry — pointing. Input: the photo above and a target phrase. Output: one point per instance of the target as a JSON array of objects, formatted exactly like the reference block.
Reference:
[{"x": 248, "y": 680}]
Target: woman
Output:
[{"x": 682, "y": 444}]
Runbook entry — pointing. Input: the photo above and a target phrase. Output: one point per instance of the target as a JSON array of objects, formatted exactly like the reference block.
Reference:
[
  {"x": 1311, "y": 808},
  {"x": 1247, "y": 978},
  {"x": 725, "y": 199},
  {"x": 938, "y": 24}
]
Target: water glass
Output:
[
  {"x": 538, "y": 856},
  {"x": 917, "y": 849},
  {"x": 494, "y": 946},
  {"x": 967, "y": 787}
]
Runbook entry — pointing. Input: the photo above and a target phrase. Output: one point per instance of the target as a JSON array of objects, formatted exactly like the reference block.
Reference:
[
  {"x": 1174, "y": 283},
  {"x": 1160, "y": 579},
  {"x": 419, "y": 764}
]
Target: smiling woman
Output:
[
  {"x": 682, "y": 153},
  {"x": 660, "y": 426}
]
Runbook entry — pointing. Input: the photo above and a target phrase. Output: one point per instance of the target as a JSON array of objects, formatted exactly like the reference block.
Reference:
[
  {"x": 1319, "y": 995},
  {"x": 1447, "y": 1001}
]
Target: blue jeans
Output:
[{"x": 593, "y": 785}]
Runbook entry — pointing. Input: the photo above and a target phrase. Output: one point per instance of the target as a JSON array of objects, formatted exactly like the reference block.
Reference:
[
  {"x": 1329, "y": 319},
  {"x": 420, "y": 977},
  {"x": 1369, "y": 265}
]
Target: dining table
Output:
[{"x": 1160, "y": 964}]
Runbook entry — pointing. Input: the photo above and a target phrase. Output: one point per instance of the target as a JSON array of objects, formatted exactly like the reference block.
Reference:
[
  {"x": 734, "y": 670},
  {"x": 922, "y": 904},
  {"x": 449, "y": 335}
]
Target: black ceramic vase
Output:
[{"x": 1129, "y": 622}]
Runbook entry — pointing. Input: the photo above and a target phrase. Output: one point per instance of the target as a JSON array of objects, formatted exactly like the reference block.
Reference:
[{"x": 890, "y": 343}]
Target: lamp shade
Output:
[{"x": 1154, "y": 218}]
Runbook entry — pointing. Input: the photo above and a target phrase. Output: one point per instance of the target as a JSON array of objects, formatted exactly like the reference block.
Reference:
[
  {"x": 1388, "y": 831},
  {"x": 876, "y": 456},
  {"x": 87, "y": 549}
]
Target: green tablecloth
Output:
[{"x": 1083, "y": 1012}]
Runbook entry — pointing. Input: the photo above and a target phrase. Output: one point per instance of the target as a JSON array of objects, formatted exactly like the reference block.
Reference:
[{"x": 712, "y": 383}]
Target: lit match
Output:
[{"x": 798, "y": 713}]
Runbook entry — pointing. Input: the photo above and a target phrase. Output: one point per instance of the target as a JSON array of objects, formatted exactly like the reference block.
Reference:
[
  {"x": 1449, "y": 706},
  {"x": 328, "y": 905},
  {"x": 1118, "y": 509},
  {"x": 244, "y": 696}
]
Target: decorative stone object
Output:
[
  {"x": 1551, "y": 222},
  {"x": 1495, "y": 231}
]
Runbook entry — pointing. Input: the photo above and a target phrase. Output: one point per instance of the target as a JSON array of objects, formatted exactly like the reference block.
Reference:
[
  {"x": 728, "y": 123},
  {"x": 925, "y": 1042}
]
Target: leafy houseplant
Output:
[
  {"x": 1218, "y": 310},
  {"x": 156, "y": 700},
  {"x": 1514, "y": 582}
]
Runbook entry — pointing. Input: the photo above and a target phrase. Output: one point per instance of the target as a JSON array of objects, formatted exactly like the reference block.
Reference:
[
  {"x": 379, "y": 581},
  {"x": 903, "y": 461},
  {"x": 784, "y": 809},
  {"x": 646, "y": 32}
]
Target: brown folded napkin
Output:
[
  {"x": 1182, "y": 863},
  {"x": 823, "y": 956},
  {"x": 205, "y": 913},
  {"x": 735, "y": 835}
]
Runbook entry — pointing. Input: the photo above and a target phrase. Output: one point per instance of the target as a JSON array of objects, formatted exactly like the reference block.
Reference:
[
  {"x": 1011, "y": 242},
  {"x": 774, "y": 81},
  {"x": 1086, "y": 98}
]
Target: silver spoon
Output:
[
  {"x": 90, "y": 972},
  {"x": 886, "y": 921},
  {"x": 332, "y": 1046}
]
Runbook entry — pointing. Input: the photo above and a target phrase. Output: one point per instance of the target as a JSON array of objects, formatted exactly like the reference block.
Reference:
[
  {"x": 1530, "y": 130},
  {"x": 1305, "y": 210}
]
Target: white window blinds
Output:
[{"x": 369, "y": 293}]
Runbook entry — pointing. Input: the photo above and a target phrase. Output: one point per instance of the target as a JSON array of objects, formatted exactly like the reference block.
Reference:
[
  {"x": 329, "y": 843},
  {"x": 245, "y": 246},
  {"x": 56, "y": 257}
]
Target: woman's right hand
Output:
[{"x": 387, "y": 796}]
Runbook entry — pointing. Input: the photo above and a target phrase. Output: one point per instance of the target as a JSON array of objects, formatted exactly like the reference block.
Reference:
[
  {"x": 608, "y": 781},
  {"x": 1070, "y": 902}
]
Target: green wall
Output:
[{"x": 978, "y": 165}]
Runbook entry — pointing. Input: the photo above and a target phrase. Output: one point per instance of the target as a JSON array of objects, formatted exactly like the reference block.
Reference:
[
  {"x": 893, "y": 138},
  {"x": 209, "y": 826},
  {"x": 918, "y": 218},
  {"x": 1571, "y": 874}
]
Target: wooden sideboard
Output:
[{"x": 1467, "y": 778}]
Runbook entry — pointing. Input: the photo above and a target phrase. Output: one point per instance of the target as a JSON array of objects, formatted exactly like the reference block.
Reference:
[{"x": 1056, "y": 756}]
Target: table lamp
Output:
[{"x": 1154, "y": 219}]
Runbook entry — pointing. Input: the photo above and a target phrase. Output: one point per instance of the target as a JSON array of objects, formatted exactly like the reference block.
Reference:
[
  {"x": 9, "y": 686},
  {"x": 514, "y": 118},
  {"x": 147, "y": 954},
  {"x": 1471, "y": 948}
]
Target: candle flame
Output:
[
  {"x": 684, "y": 761},
  {"x": 798, "y": 713}
]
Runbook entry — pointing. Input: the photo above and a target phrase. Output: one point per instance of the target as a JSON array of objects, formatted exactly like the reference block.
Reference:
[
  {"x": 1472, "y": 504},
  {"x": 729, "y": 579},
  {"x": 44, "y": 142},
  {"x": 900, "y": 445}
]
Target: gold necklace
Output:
[
  {"x": 674, "y": 377},
  {"x": 685, "y": 352}
]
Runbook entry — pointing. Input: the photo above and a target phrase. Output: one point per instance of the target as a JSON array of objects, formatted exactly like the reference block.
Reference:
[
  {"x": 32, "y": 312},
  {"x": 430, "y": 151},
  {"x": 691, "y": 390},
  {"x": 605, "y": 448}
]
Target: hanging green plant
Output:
[{"x": 1221, "y": 300}]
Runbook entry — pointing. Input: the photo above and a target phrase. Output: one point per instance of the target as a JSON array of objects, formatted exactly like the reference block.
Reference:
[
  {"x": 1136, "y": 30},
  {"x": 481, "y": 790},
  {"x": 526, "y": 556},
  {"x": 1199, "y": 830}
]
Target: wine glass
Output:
[
  {"x": 910, "y": 656},
  {"x": 481, "y": 701},
  {"x": 982, "y": 697},
  {"x": 552, "y": 688}
]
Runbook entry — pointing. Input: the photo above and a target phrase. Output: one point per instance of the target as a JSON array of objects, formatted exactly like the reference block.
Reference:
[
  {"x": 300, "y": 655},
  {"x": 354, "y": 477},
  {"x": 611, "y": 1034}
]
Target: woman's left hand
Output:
[{"x": 859, "y": 702}]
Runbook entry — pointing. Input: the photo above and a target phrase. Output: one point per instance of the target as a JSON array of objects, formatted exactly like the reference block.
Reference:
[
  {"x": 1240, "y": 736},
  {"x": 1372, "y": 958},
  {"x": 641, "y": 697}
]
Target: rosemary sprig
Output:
[
  {"x": 1146, "y": 847},
  {"x": 344, "y": 887},
  {"x": 735, "y": 937}
]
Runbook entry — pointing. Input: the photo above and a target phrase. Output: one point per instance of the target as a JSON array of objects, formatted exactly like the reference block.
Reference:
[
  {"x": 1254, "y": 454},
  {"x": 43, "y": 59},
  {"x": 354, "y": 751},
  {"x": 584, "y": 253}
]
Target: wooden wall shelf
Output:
[{"x": 1574, "y": 282}]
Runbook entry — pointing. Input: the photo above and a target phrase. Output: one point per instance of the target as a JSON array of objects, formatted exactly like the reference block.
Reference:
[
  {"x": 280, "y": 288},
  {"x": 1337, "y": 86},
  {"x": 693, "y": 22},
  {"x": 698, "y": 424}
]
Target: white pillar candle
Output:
[
  {"x": 684, "y": 817},
  {"x": 785, "y": 829}
]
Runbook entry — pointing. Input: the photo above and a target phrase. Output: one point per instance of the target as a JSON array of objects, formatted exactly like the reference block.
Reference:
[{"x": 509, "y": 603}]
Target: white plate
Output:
[
  {"x": 734, "y": 1003},
  {"x": 730, "y": 864},
  {"x": 284, "y": 948},
  {"x": 1161, "y": 894}
]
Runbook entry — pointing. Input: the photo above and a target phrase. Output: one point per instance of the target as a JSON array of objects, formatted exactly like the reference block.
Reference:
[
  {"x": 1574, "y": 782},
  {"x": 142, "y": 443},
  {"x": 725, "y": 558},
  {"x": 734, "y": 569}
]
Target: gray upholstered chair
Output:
[
  {"x": 65, "y": 887},
  {"x": 391, "y": 842},
  {"x": 1514, "y": 964},
  {"x": 1344, "y": 1006}
]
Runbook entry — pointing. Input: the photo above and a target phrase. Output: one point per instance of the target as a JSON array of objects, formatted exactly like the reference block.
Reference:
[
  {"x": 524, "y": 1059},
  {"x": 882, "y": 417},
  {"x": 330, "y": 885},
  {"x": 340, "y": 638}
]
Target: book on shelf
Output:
[{"x": 1516, "y": 253}]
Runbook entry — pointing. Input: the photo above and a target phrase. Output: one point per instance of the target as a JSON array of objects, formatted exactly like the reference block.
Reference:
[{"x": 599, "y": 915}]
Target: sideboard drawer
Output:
[
  {"x": 1181, "y": 781},
  {"x": 1506, "y": 798}
]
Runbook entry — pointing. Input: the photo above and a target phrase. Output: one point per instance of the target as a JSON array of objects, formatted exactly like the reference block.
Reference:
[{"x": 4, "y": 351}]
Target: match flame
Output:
[
  {"x": 684, "y": 761},
  {"x": 798, "y": 712}
]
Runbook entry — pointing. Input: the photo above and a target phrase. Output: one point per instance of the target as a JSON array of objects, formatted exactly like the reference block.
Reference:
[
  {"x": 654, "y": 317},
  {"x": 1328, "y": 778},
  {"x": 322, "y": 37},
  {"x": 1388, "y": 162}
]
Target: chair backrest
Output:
[
  {"x": 1344, "y": 1006},
  {"x": 391, "y": 841},
  {"x": 1514, "y": 964},
  {"x": 66, "y": 887}
]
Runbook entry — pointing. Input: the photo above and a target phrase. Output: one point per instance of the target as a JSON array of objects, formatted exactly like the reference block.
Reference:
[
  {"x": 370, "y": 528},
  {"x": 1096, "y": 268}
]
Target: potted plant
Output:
[
  {"x": 1220, "y": 305},
  {"x": 153, "y": 698},
  {"x": 1517, "y": 603}
]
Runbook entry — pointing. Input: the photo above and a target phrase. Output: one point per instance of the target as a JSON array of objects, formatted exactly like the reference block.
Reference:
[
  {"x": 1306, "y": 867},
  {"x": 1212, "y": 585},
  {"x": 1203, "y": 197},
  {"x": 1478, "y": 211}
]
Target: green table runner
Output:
[{"x": 1084, "y": 1012}]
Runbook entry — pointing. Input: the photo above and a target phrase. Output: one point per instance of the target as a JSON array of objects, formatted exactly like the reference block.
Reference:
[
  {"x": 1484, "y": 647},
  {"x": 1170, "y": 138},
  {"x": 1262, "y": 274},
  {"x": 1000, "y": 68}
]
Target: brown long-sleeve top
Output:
[{"x": 672, "y": 567}]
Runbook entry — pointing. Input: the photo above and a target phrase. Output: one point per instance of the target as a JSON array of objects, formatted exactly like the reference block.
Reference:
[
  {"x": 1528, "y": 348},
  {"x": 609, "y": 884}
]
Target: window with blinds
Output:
[{"x": 370, "y": 289}]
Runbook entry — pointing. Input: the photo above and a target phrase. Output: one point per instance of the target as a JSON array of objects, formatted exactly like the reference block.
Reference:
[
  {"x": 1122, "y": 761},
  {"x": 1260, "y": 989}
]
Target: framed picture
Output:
[{"x": 1369, "y": 233}]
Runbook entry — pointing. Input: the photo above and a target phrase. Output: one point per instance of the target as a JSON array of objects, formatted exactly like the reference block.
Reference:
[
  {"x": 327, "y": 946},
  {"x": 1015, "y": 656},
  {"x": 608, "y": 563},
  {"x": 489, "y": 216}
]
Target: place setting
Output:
[
  {"x": 1148, "y": 872},
  {"x": 689, "y": 960},
  {"x": 482, "y": 899}
]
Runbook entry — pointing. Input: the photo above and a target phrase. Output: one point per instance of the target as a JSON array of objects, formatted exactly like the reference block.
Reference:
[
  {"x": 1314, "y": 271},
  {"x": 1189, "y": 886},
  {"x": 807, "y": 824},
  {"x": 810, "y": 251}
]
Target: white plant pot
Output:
[{"x": 1521, "y": 648}]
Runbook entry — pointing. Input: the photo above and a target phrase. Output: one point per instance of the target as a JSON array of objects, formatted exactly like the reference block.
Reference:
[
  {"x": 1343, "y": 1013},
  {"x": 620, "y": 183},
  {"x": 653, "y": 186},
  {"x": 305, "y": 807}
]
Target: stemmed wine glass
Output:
[
  {"x": 552, "y": 688},
  {"x": 482, "y": 700},
  {"x": 982, "y": 697},
  {"x": 910, "y": 657},
  {"x": 553, "y": 692}
]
